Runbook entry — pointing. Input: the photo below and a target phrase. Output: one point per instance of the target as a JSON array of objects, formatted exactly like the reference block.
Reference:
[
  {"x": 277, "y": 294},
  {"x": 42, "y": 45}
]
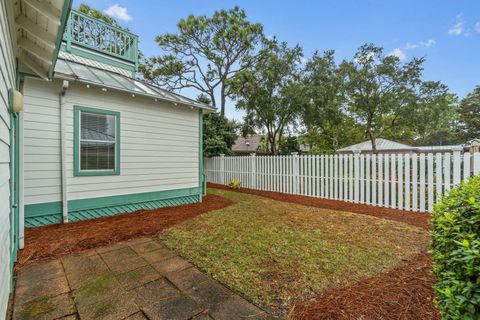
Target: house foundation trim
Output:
[{"x": 82, "y": 209}]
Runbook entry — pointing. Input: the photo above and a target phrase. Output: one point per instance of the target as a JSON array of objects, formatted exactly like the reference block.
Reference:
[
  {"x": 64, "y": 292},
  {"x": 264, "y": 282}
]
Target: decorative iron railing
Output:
[{"x": 92, "y": 33}]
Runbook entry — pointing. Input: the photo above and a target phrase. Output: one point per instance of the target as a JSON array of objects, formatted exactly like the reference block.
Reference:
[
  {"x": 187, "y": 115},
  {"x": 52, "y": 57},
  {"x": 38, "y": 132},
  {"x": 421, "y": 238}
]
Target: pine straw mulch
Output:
[
  {"x": 404, "y": 293},
  {"x": 53, "y": 241}
]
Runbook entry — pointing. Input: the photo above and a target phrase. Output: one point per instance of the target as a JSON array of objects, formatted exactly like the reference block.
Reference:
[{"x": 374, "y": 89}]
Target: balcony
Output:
[{"x": 95, "y": 35}]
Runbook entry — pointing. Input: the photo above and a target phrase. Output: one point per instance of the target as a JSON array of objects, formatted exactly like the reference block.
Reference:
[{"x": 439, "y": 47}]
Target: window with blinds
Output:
[{"x": 97, "y": 144}]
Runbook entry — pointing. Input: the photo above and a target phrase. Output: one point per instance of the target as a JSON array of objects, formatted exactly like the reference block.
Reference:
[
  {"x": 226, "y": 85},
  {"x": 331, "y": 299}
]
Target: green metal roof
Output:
[{"x": 107, "y": 79}]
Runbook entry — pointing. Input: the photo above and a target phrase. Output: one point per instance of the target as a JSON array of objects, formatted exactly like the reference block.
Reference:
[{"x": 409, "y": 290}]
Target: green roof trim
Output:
[{"x": 67, "y": 7}]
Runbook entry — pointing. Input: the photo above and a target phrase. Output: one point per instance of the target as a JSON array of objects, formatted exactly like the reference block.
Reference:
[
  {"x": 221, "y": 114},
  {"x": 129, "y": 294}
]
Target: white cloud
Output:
[
  {"x": 116, "y": 11},
  {"x": 411, "y": 46},
  {"x": 477, "y": 26},
  {"x": 459, "y": 28},
  {"x": 422, "y": 44},
  {"x": 428, "y": 43},
  {"x": 397, "y": 52}
]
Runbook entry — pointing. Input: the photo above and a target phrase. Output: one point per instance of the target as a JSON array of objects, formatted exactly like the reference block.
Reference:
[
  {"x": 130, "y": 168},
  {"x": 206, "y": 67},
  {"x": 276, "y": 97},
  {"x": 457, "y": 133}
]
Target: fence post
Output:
[
  {"x": 475, "y": 157},
  {"x": 222, "y": 169},
  {"x": 295, "y": 172},
  {"x": 356, "y": 171},
  {"x": 253, "y": 167},
  {"x": 457, "y": 164},
  {"x": 476, "y": 163}
]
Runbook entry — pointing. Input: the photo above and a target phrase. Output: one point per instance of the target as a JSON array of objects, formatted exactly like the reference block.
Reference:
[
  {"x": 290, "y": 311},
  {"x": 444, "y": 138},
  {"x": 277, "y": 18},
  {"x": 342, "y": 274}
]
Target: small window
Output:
[{"x": 97, "y": 142}]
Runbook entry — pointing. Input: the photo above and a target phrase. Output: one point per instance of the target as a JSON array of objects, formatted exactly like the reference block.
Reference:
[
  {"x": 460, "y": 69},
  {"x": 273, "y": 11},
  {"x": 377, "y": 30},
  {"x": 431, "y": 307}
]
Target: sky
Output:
[{"x": 445, "y": 32}]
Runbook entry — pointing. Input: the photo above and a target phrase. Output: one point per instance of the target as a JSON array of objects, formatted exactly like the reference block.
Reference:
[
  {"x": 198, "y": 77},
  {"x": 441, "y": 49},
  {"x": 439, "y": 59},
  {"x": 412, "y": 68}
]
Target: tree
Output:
[
  {"x": 269, "y": 92},
  {"x": 206, "y": 53},
  {"x": 470, "y": 115},
  {"x": 433, "y": 120},
  {"x": 204, "y": 99},
  {"x": 288, "y": 145},
  {"x": 97, "y": 14},
  {"x": 328, "y": 126},
  {"x": 380, "y": 89},
  {"x": 218, "y": 135}
]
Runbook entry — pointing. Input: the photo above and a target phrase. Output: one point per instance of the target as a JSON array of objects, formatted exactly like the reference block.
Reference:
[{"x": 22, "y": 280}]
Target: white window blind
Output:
[{"x": 97, "y": 141}]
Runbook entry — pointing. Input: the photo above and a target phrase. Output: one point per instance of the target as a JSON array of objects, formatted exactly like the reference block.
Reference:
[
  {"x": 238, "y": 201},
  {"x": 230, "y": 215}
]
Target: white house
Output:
[{"x": 92, "y": 140}]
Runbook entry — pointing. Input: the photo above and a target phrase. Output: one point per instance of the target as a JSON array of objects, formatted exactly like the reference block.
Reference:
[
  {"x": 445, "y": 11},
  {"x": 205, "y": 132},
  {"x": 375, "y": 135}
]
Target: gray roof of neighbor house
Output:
[
  {"x": 88, "y": 72},
  {"x": 389, "y": 145},
  {"x": 250, "y": 144},
  {"x": 382, "y": 144}
]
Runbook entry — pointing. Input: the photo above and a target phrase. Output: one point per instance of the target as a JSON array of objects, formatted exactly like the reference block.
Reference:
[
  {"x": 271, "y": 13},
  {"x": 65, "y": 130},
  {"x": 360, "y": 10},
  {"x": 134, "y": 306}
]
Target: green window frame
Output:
[{"x": 77, "y": 110}]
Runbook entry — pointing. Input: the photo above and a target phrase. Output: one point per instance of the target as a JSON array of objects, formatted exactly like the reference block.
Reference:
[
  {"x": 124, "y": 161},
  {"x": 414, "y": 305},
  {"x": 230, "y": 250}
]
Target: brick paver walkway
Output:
[{"x": 138, "y": 279}]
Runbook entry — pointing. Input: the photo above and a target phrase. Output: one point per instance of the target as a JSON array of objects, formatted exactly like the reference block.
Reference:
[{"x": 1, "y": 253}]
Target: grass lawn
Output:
[{"x": 277, "y": 253}]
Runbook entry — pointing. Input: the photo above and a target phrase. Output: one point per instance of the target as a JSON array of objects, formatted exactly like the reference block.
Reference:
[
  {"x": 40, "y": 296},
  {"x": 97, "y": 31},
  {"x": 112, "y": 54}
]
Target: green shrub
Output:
[
  {"x": 234, "y": 184},
  {"x": 456, "y": 251}
]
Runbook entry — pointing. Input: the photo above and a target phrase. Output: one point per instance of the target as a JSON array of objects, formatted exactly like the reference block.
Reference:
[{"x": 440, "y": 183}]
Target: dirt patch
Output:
[
  {"x": 413, "y": 218},
  {"x": 404, "y": 293},
  {"x": 53, "y": 241}
]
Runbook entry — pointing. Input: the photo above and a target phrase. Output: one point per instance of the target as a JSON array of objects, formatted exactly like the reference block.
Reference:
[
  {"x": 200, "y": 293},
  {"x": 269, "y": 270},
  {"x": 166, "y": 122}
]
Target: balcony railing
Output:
[{"x": 91, "y": 33}]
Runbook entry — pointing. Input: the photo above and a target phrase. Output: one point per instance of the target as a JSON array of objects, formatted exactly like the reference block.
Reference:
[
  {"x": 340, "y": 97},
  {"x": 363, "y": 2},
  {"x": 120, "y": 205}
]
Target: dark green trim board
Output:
[
  {"x": 51, "y": 212},
  {"x": 67, "y": 6},
  {"x": 14, "y": 176},
  {"x": 76, "y": 142}
]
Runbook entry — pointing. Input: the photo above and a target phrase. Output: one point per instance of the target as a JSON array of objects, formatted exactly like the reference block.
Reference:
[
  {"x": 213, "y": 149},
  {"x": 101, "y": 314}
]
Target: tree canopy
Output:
[
  {"x": 469, "y": 112},
  {"x": 205, "y": 53},
  {"x": 269, "y": 91},
  {"x": 97, "y": 14}
]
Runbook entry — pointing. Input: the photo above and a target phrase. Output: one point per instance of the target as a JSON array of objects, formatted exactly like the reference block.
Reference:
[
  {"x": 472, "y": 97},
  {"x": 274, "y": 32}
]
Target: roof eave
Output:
[
  {"x": 72, "y": 78},
  {"x": 67, "y": 7}
]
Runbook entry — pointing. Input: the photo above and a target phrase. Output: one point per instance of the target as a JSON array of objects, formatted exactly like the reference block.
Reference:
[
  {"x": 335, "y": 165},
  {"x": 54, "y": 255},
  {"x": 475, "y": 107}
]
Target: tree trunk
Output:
[
  {"x": 212, "y": 99},
  {"x": 222, "y": 100},
  {"x": 372, "y": 140}
]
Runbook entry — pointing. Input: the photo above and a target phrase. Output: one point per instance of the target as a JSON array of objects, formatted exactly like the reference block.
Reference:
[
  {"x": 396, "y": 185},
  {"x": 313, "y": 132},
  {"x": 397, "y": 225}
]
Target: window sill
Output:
[{"x": 96, "y": 173}]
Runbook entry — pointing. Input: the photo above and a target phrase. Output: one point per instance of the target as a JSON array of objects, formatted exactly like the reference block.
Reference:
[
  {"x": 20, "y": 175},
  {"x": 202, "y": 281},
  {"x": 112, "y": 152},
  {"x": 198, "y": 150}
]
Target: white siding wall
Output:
[
  {"x": 158, "y": 149},
  {"x": 7, "y": 81},
  {"x": 41, "y": 131}
]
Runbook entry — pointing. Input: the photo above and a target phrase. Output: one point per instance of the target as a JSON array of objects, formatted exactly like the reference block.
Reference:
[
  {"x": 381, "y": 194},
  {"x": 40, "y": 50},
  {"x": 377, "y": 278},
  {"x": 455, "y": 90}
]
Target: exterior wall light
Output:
[{"x": 15, "y": 100}]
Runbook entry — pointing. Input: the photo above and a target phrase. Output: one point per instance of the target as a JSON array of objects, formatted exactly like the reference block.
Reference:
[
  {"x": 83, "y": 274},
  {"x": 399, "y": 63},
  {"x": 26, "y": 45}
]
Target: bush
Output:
[
  {"x": 456, "y": 251},
  {"x": 234, "y": 184}
]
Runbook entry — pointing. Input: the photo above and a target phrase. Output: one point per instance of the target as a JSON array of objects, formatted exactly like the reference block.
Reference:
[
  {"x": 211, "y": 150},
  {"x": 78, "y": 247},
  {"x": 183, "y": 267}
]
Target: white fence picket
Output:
[
  {"x": 400, "y": 182},
  {"x": 430, "y": 186},
  {"x": 414, "y": 182},
  {"x": 380, "y": 201},
  {"x": 393, "y": 182},
  {"x": 386, "y": 178},
  {"x": 422, "y": 182},
  {"x": 466, "y": 165},
  {"x": 405, "y": 181}
]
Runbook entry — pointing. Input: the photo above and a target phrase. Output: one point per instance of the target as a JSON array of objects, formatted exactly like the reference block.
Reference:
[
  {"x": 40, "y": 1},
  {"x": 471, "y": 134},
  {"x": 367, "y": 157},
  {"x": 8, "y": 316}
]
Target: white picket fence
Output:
[{"x": 411, "y": 182}]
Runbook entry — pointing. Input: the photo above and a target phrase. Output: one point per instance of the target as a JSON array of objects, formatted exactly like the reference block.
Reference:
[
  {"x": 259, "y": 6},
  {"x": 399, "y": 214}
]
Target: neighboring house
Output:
[
  {"x": 92, "y": 140},
  {"x": 255, "y": 144},
  {"x": 388, "y": 146}
]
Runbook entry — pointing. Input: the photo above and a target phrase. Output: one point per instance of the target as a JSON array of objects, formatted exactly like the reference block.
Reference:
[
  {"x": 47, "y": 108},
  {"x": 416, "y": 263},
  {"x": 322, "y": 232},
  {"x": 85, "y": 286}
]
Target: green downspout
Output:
[{"x": 201, "y": 177}]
